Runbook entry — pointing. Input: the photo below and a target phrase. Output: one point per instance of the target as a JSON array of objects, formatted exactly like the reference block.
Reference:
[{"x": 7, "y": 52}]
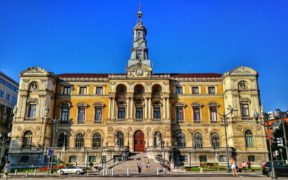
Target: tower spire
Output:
[
  {"x": 139, "y": 12},
  {"x": 139, "y": 54}
]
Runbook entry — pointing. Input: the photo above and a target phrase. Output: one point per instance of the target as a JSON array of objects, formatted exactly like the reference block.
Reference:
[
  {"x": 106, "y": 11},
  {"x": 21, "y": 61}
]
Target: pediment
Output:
[
  {"x": 243, "y": 70},
  {"x": 35, "y": 71}
]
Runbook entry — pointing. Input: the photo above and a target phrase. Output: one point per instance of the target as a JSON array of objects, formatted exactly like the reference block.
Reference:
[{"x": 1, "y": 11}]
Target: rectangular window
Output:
[
  {"x": 82, "y": 90},
  {"x": 183, "y": 158},
  {"x": 31, "y": 111},
  {"x": 196, "y": 114},
  {"x": 14, "y": 100},
  {"x": 121, "y": 113},
  {"x": 139, "y": 113},
  {"x": 157, "y": 113},
  {"x": 195, "y": 90},
  {"x": 178, "y": 90},
  {"x": 1, "y": 93},
  {"x": 245, "y": 110},
  {"x": 99, "y": 90},
  {"x": 203, "y": 158},
  {"x": 251, "y": 158},
  {"x": 64, "y": 115},
  {"x": 81, "y": 114},
  {"x": 7, "y": 97},
  {"x": 66, "y": 90},
  {"x": 222, "y": 158},
  {"x": 211, "y": 90},
  {"x": 179, "y": 113},
  {"x": 92, "y": 158},
  {"x": 213, "y": 113},
  {"x": 98, "y": 114},
  {"x": 103, "y": 159},
  {"x": 72, "y": 158}
]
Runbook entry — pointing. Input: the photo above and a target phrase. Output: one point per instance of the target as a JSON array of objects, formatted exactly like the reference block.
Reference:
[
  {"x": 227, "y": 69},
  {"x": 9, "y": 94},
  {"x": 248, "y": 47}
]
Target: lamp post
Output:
[
  {"x": 3, "y": 140},
  {"x": 274, "y": 175},
  {"x": 277, "y": 116},
  {"x": 225, "y": 117}
]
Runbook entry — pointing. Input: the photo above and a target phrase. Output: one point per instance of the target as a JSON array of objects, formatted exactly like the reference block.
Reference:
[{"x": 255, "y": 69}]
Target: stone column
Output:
[
  {"x": 112, "y": 107},
  {"x": 127, "y": 109},
  {"x": 131, "y": 108},
  {"x": 145, "y": 108},
  {"x": 149, "y": 108},
  {"x": 168, "y": 108},
  {"x": 109, "y": 114},
  {"x": 164, "y": 109}
]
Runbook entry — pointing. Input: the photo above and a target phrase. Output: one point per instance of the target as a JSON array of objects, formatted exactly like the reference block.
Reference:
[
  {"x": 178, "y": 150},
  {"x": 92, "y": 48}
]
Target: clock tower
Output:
[{"x": 139, "y": 63}]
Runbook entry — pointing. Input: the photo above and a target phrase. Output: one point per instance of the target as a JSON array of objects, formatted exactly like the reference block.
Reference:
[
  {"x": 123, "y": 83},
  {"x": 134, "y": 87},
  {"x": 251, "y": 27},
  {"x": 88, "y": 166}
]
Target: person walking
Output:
[
  {"x": 234, "y": 169},
  {"x": 148, "y": 165},
  {"x": 139, "y": 166},
  {"x": 6, "y": 170}
]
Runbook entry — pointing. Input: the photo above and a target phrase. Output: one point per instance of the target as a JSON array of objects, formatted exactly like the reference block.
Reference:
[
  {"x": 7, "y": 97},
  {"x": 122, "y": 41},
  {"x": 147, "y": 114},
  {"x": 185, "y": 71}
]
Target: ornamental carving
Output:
[
  {"x": 89, "y": 131},
  {"x": 258, "y": 128},
  {"x": 239, "y": 128},
  {"x": 38, "y": 128},
  {"x": 110, "y": 129},
  {"x": 19, "y": 128}
]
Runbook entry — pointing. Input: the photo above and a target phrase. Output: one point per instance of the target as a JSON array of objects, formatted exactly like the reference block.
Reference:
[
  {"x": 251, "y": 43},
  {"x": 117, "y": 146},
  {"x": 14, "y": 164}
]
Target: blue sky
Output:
[{"x": 188, "y": 36}]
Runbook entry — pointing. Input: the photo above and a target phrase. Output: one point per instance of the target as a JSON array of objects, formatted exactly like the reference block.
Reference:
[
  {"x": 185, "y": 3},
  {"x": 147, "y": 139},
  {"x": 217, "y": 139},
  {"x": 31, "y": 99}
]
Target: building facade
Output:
[
  {"x": 8, "y": 99},
  {"x": 178, "y": 117}
]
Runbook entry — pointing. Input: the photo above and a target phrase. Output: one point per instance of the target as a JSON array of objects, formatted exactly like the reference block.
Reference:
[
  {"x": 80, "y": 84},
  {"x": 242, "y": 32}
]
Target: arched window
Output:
[
  {"x": 197, "y": 139},
  {"x": 62, "y": 140},
  {"x": 96, "y": 143},
  {"x": 180, "y": 140},
  {"x": 215, "y": 140},
  {"x": 119, "y": 139},
  {"x": 157, "y": 139},
  {"x": 27, "y": 139},
  {"x": 249, "y": 139},
  {"x": 79, "y": 140}
]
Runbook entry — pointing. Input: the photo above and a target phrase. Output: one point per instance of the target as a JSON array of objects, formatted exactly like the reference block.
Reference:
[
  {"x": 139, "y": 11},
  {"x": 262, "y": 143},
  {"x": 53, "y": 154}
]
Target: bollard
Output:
[
  {"x": 112, "y": 173},
  {"x": 15, "y": 173},
  {"x": 103, "y": 171},
  {"x": 157, "y": 171},
  {"x": 26, "y": 175},
  {"x": 127, "y": 172},
  {"x": 34, "y": 172}
]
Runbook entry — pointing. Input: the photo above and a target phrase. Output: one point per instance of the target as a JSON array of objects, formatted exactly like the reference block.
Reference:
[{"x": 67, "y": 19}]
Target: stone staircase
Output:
[{"x": 131, "y": 165}]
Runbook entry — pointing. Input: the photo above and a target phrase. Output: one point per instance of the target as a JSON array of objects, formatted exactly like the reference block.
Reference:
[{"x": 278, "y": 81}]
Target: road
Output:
[{"x": 150, "y": 178}]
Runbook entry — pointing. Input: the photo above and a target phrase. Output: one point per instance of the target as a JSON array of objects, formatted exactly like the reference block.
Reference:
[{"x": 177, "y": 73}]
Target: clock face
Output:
[{"x": 139, "y": 72}]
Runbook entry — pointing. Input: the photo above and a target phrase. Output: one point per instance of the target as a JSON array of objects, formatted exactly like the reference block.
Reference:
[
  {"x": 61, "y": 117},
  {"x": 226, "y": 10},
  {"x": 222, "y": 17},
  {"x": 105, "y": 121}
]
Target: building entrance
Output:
[{"x": 139, "y": 141}]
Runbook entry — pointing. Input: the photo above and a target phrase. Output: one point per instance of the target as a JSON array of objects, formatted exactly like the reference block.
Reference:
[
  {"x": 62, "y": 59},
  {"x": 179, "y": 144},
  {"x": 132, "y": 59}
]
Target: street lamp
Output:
[
  {"x": 3, "y": 140},
  {"x": 225, "y": 117},
  {"x": 256, "y": 116}
]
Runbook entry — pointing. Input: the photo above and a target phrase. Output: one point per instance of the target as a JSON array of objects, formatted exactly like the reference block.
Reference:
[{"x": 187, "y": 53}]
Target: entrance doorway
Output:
[{"x": 139, "y": 141}]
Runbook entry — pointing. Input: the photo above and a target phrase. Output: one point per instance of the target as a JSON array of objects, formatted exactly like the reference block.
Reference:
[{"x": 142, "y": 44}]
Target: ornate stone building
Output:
[{"x": 176, "y": 116}]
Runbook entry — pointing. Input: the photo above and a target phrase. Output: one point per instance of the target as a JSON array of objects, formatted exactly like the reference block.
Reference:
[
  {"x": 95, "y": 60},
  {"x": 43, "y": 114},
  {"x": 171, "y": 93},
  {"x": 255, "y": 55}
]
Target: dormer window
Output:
[
  {"x": 66, "y": 90},
  {"x": 195, "y": 90},
  {"x": 82, "y": 90},
  {"x": 178, "y": 90},
  {"x": 211, "y": 90},
  {"x": 99, "y": 90}
]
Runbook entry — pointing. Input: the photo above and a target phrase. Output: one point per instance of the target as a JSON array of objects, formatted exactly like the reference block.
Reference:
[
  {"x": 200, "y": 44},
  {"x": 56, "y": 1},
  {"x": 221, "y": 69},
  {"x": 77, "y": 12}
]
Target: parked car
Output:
[
  {"x": 72, "y": 170},
  {"x": 281, "y": 168}
]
